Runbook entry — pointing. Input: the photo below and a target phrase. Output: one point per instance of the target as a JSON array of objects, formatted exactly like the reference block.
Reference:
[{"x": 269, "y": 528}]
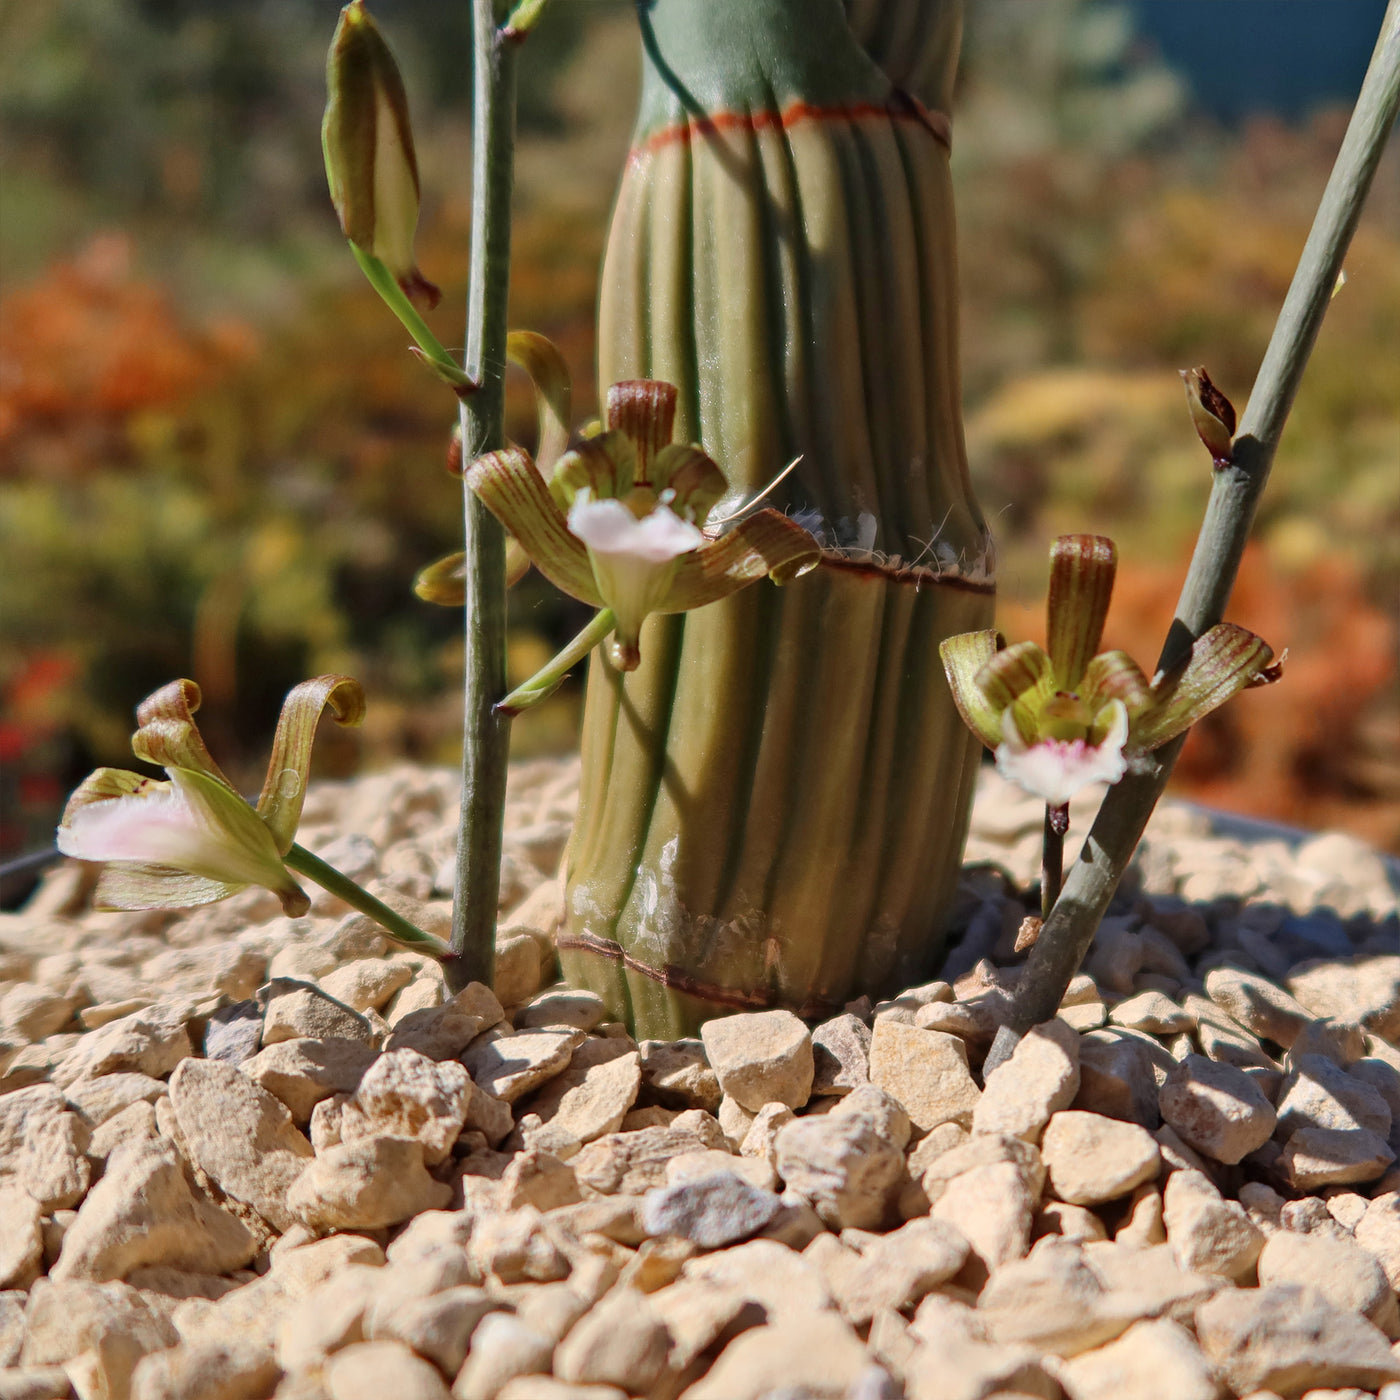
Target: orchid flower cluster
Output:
[
  {"x": 621, "y": 522},
  {"x": 1066, "y": 716}
]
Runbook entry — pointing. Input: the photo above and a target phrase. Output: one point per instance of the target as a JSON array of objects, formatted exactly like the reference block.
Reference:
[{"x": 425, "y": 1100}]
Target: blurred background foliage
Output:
[{"x": 217, "y": 460}]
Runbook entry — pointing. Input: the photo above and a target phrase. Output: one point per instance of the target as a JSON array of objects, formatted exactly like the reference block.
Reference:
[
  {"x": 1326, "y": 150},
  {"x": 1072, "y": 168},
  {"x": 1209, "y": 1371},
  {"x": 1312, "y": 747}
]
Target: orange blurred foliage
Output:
[
  {"x": 1310, "y": 751},
  {"x": 88, "y": 341}
]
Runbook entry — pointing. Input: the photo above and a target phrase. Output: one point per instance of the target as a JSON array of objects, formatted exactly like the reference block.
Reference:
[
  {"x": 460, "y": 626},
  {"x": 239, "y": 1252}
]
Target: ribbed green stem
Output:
[
  {"x": 401, "y": 930},
  {"x": 486, "y": 732},
  {"x": 550, "y": 676},
  {"x": 1220, "y": 546},
  {"x": 773, "y": 804}
]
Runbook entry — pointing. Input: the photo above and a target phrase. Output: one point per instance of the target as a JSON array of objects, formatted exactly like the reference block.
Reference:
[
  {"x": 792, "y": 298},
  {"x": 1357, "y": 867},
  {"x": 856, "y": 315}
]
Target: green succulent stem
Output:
[
  {"x": 1234, "y": 498},
  {"x": 384, "y": 282},
  {"x": 401, "y": 930},
  {"x": 486, "y": 731},
  {"x": 550, "y": 676}
]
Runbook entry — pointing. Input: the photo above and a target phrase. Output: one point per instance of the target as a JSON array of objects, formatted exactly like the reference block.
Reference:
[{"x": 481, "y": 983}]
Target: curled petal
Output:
[
  {"x": 1081, "y": 584},
  {"x": 539, "y": 357},
  {"x": 1114, "y": 675},
  {"x": 1222, "y": 662},
  {"x": 515, "y": 493},
  {"x": 167, "y": 735},
  {"x": 767, "y": 544},
  {"x": 1020, "y": 669},
  {"x": 963, "y": 657},
  {"x": 284, "y": 789},
  {"x": 1054, "y": 770}
]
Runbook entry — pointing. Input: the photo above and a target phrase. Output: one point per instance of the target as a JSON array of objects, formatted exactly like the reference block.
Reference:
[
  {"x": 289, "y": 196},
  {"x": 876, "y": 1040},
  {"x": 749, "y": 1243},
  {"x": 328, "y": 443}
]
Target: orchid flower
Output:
[
  {"x": 193, "y": 839},
  {"x": 621, "y": 522},
  {"x": 1063, "y": 718}
]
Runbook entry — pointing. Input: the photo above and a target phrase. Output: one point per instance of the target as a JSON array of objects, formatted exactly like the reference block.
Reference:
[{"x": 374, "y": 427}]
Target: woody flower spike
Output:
[
  {"x": 621, "y": 524},
  {"x": 193, "y": 839},
  {"x": 1063, "y": 718}
]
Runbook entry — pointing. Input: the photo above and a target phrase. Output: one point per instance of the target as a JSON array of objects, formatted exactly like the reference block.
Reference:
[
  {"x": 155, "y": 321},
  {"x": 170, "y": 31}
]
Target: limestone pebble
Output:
[{"x": 264, "y": 1155}]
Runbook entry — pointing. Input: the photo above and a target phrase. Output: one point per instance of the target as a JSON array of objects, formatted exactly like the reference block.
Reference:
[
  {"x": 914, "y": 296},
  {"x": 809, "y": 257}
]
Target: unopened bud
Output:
[
  {"x": 368, "y": 146},
  {"x": 1211, "y": 412}
]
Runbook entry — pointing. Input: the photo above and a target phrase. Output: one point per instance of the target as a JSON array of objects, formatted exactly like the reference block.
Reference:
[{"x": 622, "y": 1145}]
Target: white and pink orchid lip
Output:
[
  {"x": 608, "y": 527},
  {"x": 1056, "y": 769},
  {"x": 168, "y": 825}
]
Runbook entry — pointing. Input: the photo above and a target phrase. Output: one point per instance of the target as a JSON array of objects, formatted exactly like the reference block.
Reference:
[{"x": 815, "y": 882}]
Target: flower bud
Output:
[
  {"x": 1211, "y": 412},
  {"x": 368, "y": 146}
]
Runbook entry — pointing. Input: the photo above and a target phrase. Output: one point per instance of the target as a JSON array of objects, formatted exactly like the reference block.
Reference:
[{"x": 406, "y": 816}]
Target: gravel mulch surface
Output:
[{"x": 245, "y": 1156}]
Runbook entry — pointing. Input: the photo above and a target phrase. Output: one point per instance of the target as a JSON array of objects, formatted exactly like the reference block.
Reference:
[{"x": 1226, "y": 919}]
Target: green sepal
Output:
[
  {"x": 246, "y": 833},
  {"x": 284, "y": 789},
  {"x": 1222, "y": 663},
  {"x": 160, "y": 887},
  {"x": 511, "y": 488},
  {"x": 964, "y": 656},
  {"x": 1081, "y": 584}
]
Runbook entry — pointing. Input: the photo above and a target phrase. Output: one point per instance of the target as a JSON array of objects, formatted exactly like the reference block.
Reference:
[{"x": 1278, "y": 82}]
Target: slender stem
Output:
[
  {"x": 383, "y": 282},
  {"x": 395, "y": 925},
  {"x": 1234, "y": 498},
  {"x": 1052, "y": 859},
  {"x": 486, "y": 733},
  {"x": 550, "y": 676}
]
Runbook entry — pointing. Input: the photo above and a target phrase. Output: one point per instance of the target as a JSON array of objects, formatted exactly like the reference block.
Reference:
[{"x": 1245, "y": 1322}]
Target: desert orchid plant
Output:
[{"x": 771, "y": 298}]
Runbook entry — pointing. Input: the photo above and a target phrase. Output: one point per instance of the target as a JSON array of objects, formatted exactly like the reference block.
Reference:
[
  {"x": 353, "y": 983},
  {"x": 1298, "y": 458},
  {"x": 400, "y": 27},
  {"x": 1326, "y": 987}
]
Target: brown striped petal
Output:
[
  {"x": 511, "y": 488},
  {"x": 1081, "y": 584},
  {"x": 1222, "y": 662}
]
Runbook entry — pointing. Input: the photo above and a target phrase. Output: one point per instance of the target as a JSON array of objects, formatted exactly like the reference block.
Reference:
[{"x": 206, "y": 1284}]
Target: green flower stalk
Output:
[
  {"x": 774, "y": 801},
  {"x": 193, "y": 839}
]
